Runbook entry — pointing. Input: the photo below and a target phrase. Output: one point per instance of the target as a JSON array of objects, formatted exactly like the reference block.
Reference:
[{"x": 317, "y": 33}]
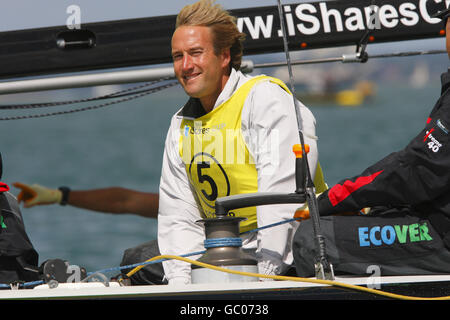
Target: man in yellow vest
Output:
[{"x": 234, "y": 135}]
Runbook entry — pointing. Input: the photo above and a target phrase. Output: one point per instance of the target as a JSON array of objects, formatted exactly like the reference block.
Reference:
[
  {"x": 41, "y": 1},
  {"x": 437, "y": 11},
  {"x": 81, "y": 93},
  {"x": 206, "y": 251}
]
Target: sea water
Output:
[{"x": 122, "y": 145}]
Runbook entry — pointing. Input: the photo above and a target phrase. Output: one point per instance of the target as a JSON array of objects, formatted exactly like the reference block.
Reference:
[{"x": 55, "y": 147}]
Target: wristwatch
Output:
[{"x": 65, "y": 195}]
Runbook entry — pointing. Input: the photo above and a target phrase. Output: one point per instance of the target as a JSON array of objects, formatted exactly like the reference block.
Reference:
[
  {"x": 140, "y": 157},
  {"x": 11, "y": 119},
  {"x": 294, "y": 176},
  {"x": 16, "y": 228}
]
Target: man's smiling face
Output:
[{"x": 198, "y": 68}]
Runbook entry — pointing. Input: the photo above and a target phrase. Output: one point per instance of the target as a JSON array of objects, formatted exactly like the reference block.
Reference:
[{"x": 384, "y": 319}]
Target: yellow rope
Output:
[{"x": 286, "y": 278}]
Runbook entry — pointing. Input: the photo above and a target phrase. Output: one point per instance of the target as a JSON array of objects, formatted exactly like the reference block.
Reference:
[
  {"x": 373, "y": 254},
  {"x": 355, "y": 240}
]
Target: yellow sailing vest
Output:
[{"x": 217, "y": 160}]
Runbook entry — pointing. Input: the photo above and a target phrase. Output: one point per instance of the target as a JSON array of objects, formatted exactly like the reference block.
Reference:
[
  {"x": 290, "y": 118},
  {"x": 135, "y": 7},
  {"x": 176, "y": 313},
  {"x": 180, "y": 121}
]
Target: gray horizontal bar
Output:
[{"x": 96, "y": 79}]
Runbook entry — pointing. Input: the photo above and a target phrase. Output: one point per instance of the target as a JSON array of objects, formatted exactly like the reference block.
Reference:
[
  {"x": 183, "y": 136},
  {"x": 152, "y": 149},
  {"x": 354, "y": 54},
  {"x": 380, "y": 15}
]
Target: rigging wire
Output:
[
  {"x": 118, "y": 94},
  {"x": 324, "y": 269},
  {"x": 127, "y": 97},
  {"x": 349, "y": 58}
]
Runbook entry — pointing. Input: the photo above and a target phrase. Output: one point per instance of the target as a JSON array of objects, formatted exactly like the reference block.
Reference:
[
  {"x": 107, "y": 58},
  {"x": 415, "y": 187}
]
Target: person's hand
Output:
[
  {"x": 303, "y": 212},
  {"x": 37, "y": 195}
]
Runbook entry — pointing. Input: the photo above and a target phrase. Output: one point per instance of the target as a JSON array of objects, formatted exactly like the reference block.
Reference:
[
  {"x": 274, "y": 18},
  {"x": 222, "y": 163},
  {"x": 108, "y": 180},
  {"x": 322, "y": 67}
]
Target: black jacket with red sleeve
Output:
[{"x": 417, "y": 176}]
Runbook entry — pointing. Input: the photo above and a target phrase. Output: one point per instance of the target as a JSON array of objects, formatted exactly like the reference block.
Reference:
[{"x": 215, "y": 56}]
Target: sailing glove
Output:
[{"x": 36, "y": 194}]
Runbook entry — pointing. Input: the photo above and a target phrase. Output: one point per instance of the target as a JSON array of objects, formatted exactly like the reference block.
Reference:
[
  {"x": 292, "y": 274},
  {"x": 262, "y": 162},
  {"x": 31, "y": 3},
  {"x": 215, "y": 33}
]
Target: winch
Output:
[
  {"x": 224, "y": 249},
  {"x": 223, "y": 244}
]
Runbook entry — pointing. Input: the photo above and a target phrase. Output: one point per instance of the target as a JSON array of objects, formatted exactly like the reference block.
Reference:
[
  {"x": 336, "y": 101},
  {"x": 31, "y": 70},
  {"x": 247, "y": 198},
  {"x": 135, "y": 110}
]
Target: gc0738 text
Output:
[{"x": 246, "y": 309}]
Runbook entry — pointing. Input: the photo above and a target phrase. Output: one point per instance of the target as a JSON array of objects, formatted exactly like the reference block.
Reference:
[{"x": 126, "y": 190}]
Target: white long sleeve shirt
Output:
[{"x": 269, "y": 113}]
